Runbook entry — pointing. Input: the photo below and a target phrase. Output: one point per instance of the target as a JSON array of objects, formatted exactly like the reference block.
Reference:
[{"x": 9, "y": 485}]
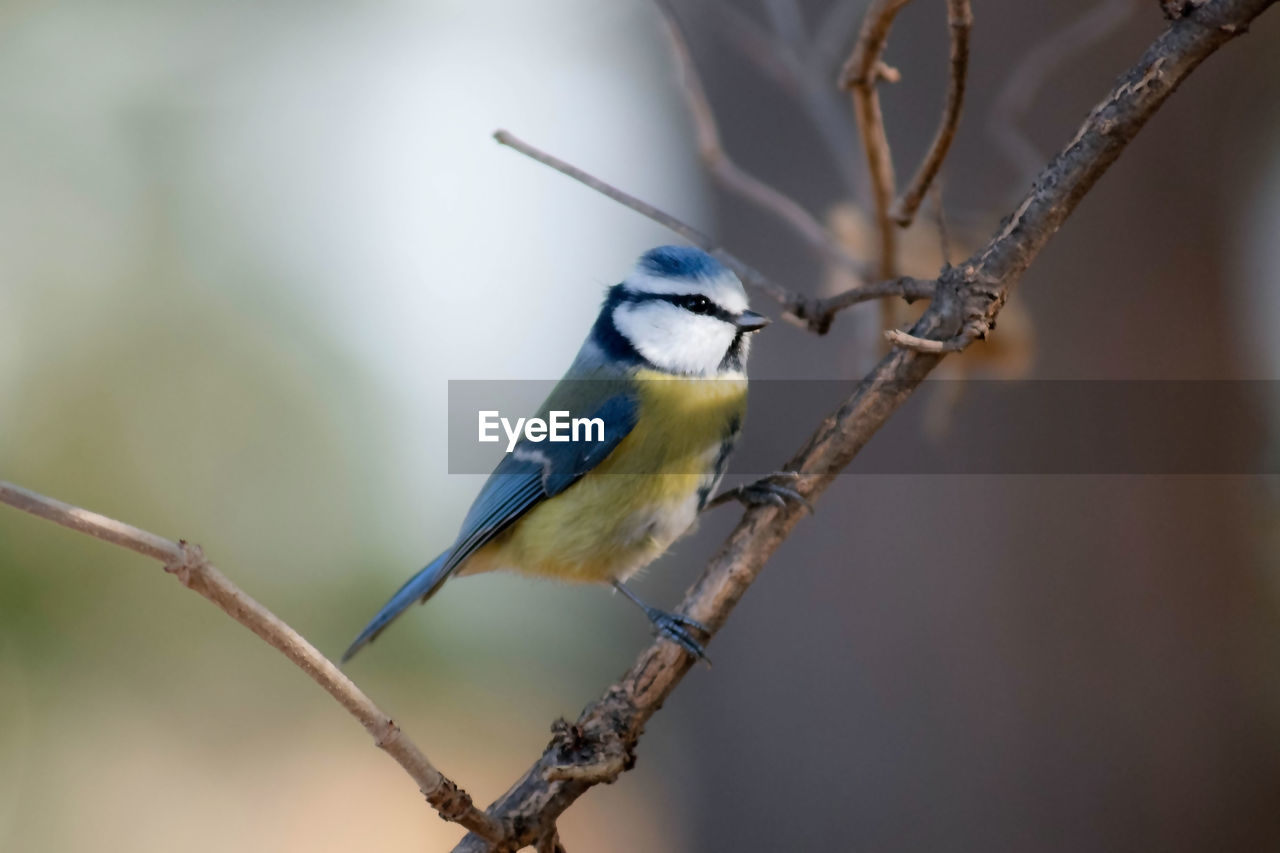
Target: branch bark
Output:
[
  {"x": 967, "y": 299},
  {"x": 862, "y": 75},
  {"x": 818, "y": 314},
  {"x": 188, "y": 564}
]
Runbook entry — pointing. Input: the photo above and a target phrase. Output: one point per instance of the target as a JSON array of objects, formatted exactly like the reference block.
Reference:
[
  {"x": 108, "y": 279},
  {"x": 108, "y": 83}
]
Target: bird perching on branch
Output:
[{"x": 663, "y": 369}]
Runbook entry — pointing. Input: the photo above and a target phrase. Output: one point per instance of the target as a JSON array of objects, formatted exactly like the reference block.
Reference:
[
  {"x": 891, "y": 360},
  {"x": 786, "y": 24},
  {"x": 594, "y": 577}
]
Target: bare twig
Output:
[
  {"x": 959, "y": 20},
  {"x": 817, "y": 314},
  {"x": 968, "y": 297},
  {"x": 730, "y": 174},
  {"x": 188, "y": 564},
  {"x": 747, "y": 273},
  {"x": 903, "y": 339},
  {"x": 688, "y": 232},
  {"x": 862, "y": 75}
]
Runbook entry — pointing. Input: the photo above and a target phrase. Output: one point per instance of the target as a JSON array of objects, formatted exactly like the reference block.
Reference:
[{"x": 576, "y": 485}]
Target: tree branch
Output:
[
  {"x": 188, "y": 564},
  {"x": 959, "y": 21},
  {"x": 817, "y": 314},
  {"x": 909, "y": 341},
  {"x": 968, "y": 297},
  {"x": 862, "y": 75}
]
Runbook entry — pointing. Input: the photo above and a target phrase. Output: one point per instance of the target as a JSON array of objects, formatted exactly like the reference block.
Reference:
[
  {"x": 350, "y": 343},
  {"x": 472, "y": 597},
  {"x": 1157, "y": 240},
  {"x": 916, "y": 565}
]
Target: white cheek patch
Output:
[{"x": 674, "y": 339}]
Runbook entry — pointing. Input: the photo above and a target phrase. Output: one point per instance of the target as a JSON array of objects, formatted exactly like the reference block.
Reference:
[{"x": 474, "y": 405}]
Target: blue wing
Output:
[{"x": 526, "y": 476}]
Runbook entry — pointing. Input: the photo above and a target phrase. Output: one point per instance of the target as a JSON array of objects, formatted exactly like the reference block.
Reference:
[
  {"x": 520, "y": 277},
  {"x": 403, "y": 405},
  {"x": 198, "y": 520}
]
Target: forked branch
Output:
[
  {"x": 817, "y": 314},
  {"x": 862, "y": 75}
]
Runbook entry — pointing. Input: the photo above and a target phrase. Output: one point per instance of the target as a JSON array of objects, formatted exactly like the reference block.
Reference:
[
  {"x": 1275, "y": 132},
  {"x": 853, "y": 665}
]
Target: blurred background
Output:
[{"x": 244, "y": 247}]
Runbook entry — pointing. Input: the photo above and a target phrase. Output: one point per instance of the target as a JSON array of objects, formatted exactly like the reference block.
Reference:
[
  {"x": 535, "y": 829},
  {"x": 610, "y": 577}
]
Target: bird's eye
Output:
[{"x": 698, "y": 304}]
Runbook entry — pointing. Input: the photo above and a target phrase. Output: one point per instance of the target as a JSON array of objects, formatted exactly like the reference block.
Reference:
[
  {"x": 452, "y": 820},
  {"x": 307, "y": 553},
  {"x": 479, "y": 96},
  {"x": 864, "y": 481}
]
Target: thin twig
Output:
[
  {"x": 688, "y": 232},
  {"x": 817, "y": 314},
  {"x": 189, "y": 565},
  {"x": 960, "y": 21},
  {"x": 747, "y": 273},
  {"x": 903, "y": 339},
  {"x": 967, "y": 297},
  {"x": 729, "y": 174},
  {"x": 862, "y": 75}
]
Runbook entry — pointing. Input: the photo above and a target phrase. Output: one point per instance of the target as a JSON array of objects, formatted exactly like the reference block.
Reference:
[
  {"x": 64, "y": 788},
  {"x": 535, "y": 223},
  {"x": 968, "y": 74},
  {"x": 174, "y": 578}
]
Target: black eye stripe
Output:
[{"x": 687, "y": 302}]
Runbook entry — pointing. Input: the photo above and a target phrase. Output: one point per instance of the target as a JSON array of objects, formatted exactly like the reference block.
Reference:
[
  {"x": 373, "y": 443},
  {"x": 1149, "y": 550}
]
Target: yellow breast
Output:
[{"x": 627, "y": 511}]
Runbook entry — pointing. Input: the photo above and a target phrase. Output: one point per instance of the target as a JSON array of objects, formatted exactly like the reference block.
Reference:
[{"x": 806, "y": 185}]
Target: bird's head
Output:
[{"x": 683, "y": 312}]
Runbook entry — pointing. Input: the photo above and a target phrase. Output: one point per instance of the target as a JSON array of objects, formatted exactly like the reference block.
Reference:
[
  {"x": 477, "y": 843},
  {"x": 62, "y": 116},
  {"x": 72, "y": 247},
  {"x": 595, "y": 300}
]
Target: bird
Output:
[{"x": 664, "y": 369}]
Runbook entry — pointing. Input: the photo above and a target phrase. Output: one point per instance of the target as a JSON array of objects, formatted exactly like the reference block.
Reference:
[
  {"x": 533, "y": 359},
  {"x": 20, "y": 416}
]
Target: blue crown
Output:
[{"x": 681, "y": 262}]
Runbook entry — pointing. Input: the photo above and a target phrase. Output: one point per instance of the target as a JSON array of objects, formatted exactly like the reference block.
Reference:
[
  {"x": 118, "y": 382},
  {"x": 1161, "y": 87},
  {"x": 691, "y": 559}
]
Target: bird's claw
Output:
[
  {"x": 675, "y": 628},
  {"x": 767, "y": 491}
]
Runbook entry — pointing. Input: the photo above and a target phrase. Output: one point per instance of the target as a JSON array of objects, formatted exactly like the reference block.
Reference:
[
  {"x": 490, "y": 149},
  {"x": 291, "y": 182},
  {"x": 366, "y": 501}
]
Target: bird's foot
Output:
[
  {"x": 771, "y": 490},
  {"x": 675, "y": 628}
]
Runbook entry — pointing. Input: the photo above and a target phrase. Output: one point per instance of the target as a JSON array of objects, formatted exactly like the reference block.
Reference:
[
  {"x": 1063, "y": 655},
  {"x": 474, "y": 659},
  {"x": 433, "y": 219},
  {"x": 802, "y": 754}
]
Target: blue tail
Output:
[{"x": 420, "y": 587}]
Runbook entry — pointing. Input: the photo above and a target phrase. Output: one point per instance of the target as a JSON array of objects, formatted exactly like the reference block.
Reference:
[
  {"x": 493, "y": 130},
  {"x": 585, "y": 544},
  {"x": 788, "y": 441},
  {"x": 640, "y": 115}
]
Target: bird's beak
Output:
[{"x": 750, "y": 321}]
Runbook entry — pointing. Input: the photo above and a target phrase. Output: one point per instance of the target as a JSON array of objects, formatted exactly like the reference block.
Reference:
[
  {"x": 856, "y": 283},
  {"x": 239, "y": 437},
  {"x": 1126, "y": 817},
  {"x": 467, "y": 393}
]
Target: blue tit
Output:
[{"x": 664, "y": 369}]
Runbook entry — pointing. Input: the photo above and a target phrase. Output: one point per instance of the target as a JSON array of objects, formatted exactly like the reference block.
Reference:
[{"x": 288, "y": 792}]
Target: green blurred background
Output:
[{"x": 243, "y": 247}]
